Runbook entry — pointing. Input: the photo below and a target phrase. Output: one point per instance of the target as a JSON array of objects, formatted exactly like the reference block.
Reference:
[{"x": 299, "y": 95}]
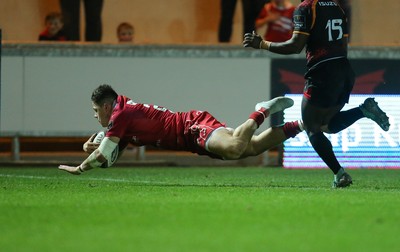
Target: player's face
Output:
[{"x": 102, "y": 113}]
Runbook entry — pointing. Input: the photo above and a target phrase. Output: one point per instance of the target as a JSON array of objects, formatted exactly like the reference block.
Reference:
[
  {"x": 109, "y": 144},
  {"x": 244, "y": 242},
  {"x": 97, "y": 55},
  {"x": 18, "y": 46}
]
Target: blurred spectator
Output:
[
  {"x": 251, "y": 8},
  {"x": 93, "y": 26},
  {"x": 277, "y": 15},
  {"x": 125, "y": 32},
  {"x": 54, "y": 28}
]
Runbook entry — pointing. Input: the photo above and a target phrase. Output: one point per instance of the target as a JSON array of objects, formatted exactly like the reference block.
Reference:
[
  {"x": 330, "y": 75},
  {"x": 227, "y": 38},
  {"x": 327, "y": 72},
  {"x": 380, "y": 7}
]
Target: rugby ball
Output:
[
  {"x": 99, "y": 137},
  {"x": 114, "y": 155}
]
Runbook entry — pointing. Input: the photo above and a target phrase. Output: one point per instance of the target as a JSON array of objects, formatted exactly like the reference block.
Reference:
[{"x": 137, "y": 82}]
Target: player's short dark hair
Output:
[{"x": 104, "y": 94}]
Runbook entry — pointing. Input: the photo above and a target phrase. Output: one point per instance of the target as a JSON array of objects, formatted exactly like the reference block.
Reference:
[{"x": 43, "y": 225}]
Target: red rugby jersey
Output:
[
  {"x": 281, "y": 29},
  {"x": 147, "y": 124}
]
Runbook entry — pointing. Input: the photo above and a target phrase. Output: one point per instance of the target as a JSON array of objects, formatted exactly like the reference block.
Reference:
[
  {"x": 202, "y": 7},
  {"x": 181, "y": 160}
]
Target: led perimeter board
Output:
[{"x": 363, "y": 145}]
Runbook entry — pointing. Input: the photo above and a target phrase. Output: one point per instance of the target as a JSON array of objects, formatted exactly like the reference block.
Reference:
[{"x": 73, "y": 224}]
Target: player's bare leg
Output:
[
  {"x": 233, "y": 145},
  {"x": 269, "y": 138}
]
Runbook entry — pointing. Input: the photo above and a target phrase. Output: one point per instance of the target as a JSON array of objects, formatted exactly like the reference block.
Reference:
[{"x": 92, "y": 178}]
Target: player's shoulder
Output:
[{"x": 124, "y": 104}]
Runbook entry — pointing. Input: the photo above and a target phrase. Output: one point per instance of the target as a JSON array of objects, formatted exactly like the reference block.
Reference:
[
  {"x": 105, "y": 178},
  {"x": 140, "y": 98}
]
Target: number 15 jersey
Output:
[{"x": 326, "y": 25}]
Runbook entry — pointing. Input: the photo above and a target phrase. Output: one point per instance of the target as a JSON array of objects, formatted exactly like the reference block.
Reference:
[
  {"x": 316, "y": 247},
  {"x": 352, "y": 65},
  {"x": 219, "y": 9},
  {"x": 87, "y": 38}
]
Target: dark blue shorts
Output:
[{"x": 329, "y": 83}]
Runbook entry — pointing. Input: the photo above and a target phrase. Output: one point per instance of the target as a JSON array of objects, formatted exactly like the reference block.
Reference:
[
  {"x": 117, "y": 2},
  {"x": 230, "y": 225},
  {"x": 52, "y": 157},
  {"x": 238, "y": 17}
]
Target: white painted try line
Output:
[
  {"x": 138, "y": 182},
  {"x": 83, "y": 178}
]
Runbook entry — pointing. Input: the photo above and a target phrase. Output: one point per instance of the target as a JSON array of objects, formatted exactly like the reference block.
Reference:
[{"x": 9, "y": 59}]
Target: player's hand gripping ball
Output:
[
  {"x": 99, "y": 137},
  {"x": 115, "y": 153}
]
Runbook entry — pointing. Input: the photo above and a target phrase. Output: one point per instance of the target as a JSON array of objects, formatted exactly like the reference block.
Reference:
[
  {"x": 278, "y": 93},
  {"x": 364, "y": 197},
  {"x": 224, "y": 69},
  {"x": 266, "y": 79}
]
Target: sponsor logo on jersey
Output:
[
  {"x": 299, "y": 22},
  {"x": 327, "y": 4}
]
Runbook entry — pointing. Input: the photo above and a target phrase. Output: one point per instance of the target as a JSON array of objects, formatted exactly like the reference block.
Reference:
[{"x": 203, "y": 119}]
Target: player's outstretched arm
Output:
[
  {"x": 107, "y": 153},
  {"x": 294, "y": 45},
  {"x": 89, "y": 147},
  {"x": 96, "y": 159}
]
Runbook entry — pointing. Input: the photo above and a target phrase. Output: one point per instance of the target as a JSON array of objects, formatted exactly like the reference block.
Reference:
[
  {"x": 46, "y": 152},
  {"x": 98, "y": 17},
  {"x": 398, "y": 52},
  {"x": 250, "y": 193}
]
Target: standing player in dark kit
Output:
[
  {"x": 195, "y": 131},
  {"x": 321, "y": 27}
]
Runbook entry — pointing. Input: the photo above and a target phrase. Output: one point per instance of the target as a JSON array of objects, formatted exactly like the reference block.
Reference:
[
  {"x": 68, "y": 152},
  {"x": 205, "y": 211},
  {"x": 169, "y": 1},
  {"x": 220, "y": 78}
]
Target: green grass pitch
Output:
[{"x": 198, "y": 209}]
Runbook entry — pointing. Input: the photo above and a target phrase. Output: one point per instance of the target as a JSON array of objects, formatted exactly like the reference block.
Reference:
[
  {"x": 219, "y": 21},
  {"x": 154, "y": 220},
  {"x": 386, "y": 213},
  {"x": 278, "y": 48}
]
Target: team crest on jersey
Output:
[{"x": 299, "y": 21}]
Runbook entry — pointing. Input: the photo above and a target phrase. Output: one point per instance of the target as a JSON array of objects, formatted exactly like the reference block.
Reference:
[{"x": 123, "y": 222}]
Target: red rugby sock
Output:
[
  {"x": 291, "y": 129},
  {"x": 259, "y": 116}
]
